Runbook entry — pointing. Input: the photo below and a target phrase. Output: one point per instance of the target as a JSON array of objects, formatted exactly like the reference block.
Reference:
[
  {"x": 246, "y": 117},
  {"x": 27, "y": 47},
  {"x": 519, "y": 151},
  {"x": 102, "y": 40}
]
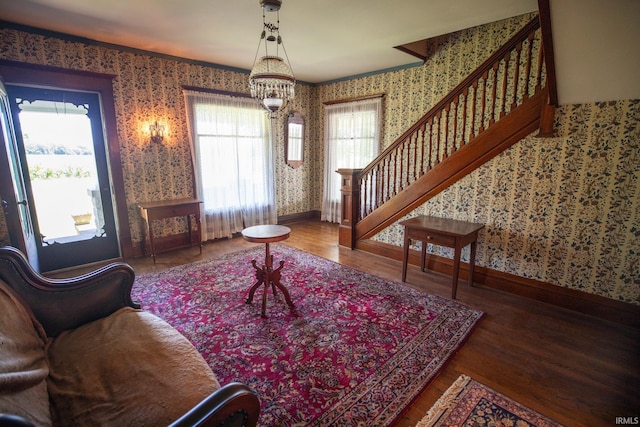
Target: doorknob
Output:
[{"x": 5, "y": 204}]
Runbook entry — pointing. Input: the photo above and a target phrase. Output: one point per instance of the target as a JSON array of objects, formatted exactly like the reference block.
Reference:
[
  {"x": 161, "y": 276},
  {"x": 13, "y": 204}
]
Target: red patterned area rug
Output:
[
  {"x": 355, "y": 350},
  {"x": 469, "y": 403}
]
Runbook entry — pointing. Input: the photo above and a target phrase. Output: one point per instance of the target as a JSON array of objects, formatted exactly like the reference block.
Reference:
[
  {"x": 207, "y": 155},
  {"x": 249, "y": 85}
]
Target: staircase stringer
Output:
[{"x": 521, "y": 122}]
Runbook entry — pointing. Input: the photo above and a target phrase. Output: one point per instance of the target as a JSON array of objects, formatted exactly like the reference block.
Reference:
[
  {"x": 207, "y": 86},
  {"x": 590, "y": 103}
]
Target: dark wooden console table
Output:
[
  {"x": 150, "y": 211},
  {"x": 442, "y": 232}
]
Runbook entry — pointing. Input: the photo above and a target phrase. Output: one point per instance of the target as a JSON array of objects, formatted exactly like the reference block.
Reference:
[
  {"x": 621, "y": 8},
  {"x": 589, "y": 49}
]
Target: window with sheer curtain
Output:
[
  {"x": 352, "y": 140},
  {"x": 233, "y": 161}
]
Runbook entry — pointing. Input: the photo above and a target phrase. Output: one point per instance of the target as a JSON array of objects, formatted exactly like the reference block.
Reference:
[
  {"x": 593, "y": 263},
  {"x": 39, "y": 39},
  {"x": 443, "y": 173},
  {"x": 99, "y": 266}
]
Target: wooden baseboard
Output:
[
  {"x": 165, "y": 243},
  {"x": 302, "y": 216},
  {"x": 582, "y": 302}
]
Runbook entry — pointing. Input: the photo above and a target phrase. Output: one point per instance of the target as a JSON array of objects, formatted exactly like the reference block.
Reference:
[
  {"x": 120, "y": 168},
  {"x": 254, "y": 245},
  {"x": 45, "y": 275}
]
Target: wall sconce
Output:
[{"x": 157, "y": 132}]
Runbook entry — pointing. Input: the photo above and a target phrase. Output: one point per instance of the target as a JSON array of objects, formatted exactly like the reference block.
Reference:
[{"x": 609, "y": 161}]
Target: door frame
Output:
[
  {"x": 20, "y": 73},
  {"x": 16, "y": 199},
  {"x": 74, "y": 247}
]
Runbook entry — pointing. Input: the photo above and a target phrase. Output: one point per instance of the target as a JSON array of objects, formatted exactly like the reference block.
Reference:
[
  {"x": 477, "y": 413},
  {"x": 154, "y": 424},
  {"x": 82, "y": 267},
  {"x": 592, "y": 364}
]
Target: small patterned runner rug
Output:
[
  {"x": 469, "y": 403},
  {"x": 355, "y": 350}
]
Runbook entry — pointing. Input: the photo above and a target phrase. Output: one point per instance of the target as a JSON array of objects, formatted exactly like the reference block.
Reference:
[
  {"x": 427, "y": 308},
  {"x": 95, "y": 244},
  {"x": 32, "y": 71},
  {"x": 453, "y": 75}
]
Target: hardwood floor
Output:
[{"x": 575, "y": 369}]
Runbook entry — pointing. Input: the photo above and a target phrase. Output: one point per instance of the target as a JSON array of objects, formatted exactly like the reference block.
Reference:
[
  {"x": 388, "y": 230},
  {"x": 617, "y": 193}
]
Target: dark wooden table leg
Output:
[
  {"x": 265, "y": 289},
  {"x": 197, "y": 215},
  {"x": 275, "y": 281},
  {"x": 260, "y": 277},
  {"x": 456, "y": 270},
  {"x": 405, "y": 256},
  {"x": 269, "y": 278},
  {"x": 151, "y": 242}
]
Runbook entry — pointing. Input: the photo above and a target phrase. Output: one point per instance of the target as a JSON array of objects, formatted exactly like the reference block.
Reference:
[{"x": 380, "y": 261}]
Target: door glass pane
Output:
[
  {"x": 62, "y": 169},
  {"x": 14, "y": 166}
]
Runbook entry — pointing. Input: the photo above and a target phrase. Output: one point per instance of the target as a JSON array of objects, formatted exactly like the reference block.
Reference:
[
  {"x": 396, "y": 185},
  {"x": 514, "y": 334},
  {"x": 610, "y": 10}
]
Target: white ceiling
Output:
[
  {"x": 324, "y": 39},
  {"x": 597, "y": 49},
  {"x": 595, "y": 41}
]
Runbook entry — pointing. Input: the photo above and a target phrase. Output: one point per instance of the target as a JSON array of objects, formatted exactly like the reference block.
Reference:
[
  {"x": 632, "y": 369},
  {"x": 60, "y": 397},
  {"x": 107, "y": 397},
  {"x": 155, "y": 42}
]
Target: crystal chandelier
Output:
[{"x": 271, "y": 80}]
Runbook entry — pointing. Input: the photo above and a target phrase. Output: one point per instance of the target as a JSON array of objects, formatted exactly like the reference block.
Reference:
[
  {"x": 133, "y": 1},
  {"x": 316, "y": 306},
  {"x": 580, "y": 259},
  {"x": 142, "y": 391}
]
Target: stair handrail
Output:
[
  {"x": 519, "y": 37},
  {"x": 376, "y": 188}
]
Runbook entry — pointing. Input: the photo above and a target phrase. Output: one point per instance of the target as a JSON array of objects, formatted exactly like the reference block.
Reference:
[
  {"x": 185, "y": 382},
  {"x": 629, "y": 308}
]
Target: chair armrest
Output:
[
  {"x": 234, "y": 404},
  {"x": 62, "y": 304},
  {"x": 8, "y": 420}
]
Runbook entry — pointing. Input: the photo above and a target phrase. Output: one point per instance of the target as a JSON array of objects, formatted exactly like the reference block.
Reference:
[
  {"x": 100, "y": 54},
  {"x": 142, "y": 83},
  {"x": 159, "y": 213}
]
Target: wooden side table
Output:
[
  {"x": 266, "y": 275},
  {"x": 443, "y": 232},
  {"x": 150, "y": 211}
]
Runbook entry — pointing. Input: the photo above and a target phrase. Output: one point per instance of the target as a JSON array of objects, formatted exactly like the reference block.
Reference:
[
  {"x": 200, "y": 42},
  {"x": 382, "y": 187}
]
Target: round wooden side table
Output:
[{"x": 266, "y": 275}]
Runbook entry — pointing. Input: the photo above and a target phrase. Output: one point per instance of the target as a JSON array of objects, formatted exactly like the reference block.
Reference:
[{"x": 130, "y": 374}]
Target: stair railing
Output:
[{"x": 503, "y": 82}]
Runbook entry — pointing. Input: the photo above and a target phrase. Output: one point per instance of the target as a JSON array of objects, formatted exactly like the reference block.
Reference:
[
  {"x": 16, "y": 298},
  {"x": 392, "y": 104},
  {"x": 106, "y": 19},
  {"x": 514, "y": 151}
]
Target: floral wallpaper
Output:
[
  {"x": 149, "y": 88},
  {"x": 410, "y": 93},
  {"x": 563, "y": 210}
]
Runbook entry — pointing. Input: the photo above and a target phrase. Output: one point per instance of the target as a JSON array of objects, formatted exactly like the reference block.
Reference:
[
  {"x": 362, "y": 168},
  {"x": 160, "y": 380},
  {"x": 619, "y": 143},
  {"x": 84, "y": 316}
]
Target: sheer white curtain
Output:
[
  {"x": 233, "y": 161},
  {"x": 352, "y": 140}
]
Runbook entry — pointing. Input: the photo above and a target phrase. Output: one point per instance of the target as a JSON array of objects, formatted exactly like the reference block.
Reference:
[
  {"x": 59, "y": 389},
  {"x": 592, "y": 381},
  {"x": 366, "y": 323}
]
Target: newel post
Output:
[
  {"x": 547, "y": 118},
  {"x": 349, "y": 205}
]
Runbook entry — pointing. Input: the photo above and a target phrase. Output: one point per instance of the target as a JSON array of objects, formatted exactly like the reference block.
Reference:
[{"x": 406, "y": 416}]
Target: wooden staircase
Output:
[{"x": 497, "y": 105}]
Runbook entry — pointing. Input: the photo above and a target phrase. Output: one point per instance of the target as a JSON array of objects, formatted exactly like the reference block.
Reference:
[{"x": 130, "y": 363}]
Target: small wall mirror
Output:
[{"x": 294, "y": 140}]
